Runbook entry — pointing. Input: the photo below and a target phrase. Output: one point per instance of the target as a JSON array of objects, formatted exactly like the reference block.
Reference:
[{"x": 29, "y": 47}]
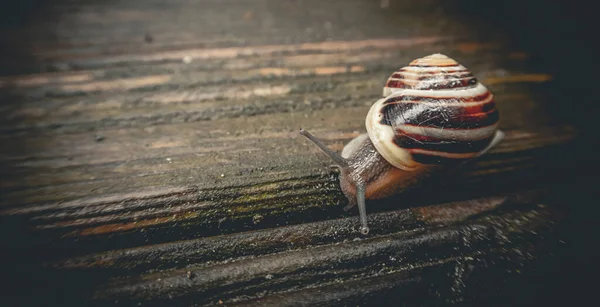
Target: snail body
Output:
[{"x": 434, "y": 114}]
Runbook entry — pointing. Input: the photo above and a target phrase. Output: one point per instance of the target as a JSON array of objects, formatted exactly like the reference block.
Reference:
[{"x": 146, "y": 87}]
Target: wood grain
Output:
[{"x": 154, "y": 149}]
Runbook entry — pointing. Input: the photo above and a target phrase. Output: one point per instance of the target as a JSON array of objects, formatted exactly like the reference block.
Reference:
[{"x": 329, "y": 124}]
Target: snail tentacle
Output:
[
  {"x": 362, "y": 208},
  {"x": 350, "y": 206},
  {"x": 334, "y": 156}
]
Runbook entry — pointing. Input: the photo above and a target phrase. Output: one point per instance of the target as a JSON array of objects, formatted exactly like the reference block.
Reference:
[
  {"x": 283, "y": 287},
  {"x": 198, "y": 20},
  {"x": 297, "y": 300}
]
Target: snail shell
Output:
[{"x": 435, "y": 112}]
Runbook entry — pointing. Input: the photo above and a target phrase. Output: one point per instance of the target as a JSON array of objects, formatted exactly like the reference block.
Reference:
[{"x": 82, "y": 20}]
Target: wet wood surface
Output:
[{"x": 151, "y": 155}]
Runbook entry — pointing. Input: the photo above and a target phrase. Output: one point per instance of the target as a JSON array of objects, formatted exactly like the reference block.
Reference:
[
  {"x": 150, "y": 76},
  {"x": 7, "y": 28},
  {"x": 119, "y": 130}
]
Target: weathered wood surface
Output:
[{"x": 151, "y": 155}]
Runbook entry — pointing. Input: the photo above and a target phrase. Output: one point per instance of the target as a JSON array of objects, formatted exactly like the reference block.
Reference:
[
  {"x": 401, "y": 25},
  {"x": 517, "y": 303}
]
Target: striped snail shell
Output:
[{"x": 434, "y": 113}]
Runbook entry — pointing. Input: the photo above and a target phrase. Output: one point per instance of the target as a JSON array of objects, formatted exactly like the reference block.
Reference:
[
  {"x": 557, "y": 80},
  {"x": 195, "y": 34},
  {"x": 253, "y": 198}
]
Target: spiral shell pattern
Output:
[{"x": 435, "y": 112}]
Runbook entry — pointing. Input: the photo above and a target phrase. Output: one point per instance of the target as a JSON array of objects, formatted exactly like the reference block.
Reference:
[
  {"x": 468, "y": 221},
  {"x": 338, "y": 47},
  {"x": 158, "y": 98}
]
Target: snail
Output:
[{"x": 434, "y": 114}]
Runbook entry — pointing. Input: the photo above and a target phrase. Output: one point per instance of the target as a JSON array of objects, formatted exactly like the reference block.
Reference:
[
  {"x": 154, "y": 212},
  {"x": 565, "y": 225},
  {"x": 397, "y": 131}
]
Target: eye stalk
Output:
[
  {"x": 359, "y": 186},
  {"x": 334, "y": 156}
]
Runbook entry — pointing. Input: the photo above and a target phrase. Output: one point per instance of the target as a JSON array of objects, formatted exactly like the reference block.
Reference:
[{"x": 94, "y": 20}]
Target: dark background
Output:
[{"x": 564, "y": 35}]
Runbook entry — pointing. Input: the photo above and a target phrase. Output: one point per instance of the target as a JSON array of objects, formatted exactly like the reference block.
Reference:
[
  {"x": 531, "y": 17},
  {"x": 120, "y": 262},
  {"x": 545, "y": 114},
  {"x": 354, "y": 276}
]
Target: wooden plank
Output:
[
  {"x": 326, "y": 265},
  {"x": 151, "y": 155}
]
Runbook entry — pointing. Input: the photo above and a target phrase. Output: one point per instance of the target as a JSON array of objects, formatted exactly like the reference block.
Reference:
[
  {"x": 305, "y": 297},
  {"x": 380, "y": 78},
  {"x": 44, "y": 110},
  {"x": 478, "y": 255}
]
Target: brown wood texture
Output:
[{"x": 151, "y": 155}]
